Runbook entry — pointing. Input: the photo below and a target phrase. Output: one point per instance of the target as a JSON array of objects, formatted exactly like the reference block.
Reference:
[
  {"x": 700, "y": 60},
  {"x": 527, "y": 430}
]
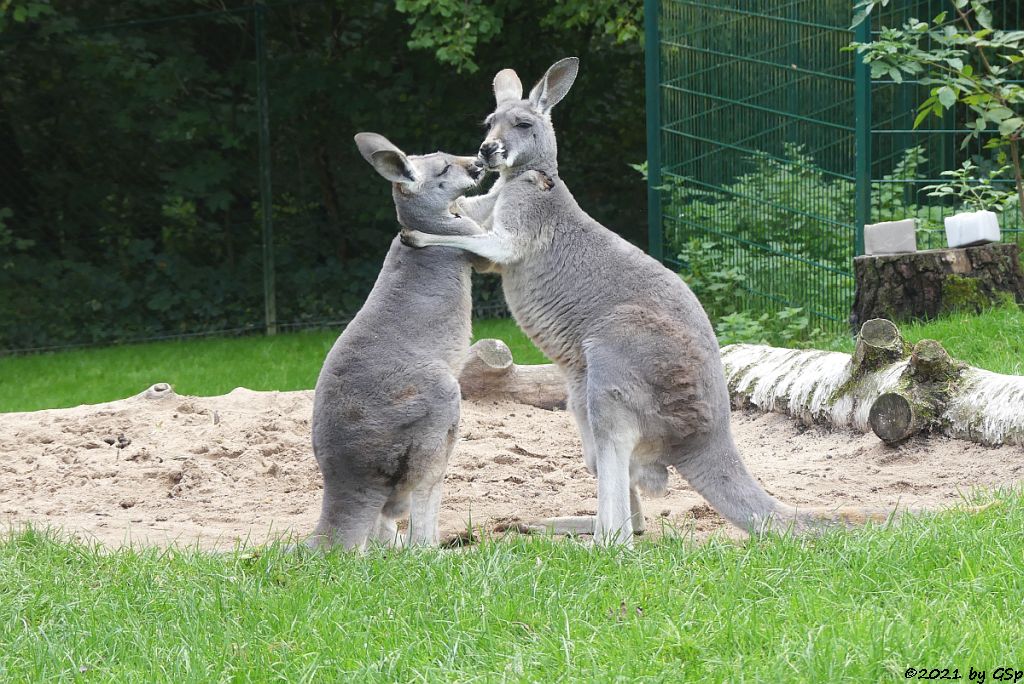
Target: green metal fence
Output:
[{"x": 770, "y": 147}]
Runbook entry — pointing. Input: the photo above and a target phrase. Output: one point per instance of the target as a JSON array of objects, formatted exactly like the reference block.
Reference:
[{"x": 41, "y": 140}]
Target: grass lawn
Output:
[
  {"x": 942, "y": 592},
  {"x": 993, "y": 340},
  {"x": 198, "y": 366},
  {"x": 864, "y": 606},
  {"x": 209, "y": 366}
]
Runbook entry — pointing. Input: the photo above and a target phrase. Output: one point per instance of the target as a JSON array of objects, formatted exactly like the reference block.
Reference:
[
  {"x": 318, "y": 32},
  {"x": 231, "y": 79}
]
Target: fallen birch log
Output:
[
  {"x": 886, "y": 386},
  {"x": 490, "y": 373}
]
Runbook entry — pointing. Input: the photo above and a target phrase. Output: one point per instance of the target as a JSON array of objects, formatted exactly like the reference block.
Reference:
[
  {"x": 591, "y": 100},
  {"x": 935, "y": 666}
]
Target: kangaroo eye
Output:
[
  {"x": 524, "y": 124},
  {"x": 445, "y": 169}
]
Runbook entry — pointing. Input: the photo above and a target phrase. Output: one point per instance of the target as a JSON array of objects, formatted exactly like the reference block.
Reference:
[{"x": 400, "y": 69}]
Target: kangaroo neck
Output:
[
  {"x": 548, "y": 166},
  {"x": 427, "y": 221}
]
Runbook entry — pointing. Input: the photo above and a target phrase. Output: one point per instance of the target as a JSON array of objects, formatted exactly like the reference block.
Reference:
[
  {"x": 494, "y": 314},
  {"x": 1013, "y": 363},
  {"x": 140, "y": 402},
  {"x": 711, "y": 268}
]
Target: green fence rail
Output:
[{"x": 770, "y": 148}]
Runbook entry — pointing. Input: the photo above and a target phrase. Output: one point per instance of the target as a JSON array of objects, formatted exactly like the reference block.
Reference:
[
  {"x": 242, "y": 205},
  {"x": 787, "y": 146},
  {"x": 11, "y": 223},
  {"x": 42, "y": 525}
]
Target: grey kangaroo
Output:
[
  {"x": 645, "y": 380},
  {"x": 386, "y": 407}
]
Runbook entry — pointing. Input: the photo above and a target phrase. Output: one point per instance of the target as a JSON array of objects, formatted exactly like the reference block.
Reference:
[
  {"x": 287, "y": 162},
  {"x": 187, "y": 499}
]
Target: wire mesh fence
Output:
[
  {"x": 775, "y": 147},
  {"x": 186, "y": 175},
  {"x": 116, "y": 198}
]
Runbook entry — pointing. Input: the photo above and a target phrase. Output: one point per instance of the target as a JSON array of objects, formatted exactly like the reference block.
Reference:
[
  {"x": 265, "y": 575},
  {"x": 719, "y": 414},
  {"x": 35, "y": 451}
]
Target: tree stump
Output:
[{"x": 925, "y": 284}]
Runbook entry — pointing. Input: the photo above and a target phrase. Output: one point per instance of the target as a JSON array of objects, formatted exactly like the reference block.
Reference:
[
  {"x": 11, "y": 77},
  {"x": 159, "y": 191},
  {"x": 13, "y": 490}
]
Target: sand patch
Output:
[{"x": 240, "y": 466}]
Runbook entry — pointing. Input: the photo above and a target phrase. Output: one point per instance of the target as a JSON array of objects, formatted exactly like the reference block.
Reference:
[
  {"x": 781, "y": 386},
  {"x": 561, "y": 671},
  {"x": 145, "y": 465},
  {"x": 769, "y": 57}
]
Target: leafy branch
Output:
[
  {"x": 22, "y": 11},
  {"x": 455, "y": 29},
  {"x": 968, "y": 61}
]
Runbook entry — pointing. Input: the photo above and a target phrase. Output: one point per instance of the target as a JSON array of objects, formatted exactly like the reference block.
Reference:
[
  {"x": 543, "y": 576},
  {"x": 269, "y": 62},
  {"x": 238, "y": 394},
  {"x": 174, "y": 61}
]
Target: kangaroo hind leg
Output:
[
  {"x": 616, "y": 430},
  {"x": 348, "y": 517}
]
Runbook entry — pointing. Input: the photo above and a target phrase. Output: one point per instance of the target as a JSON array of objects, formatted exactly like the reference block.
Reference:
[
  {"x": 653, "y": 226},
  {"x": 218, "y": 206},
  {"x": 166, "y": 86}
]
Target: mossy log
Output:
[
  {"x": 885, "y": 386},
  {"x": 490, "y": 373},
  {"x": 931, "y": 282}
]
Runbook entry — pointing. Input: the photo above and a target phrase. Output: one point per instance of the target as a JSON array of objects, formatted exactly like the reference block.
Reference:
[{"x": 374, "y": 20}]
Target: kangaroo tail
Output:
[{"x": 720, "y": 476}]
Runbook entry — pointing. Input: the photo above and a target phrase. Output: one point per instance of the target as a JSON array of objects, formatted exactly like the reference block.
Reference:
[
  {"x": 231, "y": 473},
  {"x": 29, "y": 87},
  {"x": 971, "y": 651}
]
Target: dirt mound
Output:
[{"x": 213, "y": 470}]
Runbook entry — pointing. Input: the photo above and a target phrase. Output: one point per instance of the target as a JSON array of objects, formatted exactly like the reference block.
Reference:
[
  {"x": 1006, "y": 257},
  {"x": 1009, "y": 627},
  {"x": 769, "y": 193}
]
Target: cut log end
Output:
[
  {"x": 489, "y": 373},
  {"x": 878, "y": 344},
  {"x": 893, "y": 418},
  {"x": 490, "y": 356},
  {"x": 931, "y": 363},
  {"x": 160, "y": 390}
]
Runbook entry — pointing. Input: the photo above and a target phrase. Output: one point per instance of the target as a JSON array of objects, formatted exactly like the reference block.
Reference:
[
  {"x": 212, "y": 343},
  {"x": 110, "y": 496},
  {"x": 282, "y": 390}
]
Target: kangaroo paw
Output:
[
  {"x": 410, "y": 238},
  {"x": 539, "y": 178}
]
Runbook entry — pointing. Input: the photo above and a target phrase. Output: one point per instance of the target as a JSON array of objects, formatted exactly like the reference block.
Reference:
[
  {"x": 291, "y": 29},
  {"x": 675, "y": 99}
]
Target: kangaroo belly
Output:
[{"x": 547, "y": 311}]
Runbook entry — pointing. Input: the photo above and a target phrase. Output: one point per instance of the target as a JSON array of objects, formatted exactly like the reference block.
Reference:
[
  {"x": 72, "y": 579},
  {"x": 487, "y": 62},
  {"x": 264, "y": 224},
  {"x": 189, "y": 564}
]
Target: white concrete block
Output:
[
  {"x": 891, "y": 237},
  {"x": 972, "y": 228}
]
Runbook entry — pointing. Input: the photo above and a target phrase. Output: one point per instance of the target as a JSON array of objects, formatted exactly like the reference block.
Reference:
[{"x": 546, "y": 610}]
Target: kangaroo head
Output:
[
  {"x": 422, "y": 185},
  {"x": 519, "y": 132}
]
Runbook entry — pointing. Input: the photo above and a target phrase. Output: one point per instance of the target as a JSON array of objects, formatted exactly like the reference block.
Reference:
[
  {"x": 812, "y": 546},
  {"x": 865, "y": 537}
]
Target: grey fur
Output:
[
  {"x": 646, "y": 384},
  {"x": 386, "y": 408}
]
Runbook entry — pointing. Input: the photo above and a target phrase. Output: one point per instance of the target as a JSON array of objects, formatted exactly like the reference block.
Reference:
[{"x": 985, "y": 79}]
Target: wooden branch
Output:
[{"x": 490, "y": 373}]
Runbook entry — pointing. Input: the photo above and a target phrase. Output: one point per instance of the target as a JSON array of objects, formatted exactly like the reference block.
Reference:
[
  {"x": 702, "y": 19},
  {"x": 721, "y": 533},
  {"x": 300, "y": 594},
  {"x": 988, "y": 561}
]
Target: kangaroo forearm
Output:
[
  {"x": 464, "y": 225},
  {"x": 479, "y": 207},
  {"x": 489, "y": 245}
]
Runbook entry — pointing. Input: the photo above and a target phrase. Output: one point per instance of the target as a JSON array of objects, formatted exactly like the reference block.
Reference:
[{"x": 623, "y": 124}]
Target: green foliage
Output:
[
  {"x": 714, "y": 283},
  {"x": 129, "y": 154},
  {"x": 785, "y": 203},
  {"x": 787, "y": 327},
  {"x": 22, "y": 11},
  {"x": 790, "y": 204},
  {"x": 718, "y": 285},
  {"x": 453, "y": 29},
  {"x": 968, "y": 61},
  {"x": 456, "y": 29},
  {"x": 782, "y": 223},
  {"x": 973, "y": 190}
]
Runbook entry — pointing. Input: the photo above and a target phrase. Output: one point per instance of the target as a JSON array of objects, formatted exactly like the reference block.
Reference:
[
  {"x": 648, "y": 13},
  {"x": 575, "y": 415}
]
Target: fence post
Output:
[
  {"x": 652, "y": 69},
  {"x": 266, "y": 198},
  {"x": 862, "y": 136}
]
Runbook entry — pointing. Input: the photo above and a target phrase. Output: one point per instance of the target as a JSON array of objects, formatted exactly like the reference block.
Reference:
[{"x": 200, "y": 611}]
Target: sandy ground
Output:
[{"x": 214, "y": 470}]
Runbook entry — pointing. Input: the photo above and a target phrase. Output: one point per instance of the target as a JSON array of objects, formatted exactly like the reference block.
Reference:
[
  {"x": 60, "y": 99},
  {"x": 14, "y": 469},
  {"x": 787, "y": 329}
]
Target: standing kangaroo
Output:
[
  {"x": 386, "y": 407},
  {"x": 645, "y": 379}
]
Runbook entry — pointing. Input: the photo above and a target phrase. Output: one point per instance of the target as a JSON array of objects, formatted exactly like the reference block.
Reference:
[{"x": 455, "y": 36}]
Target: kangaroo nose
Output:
[{"x": 488, "y": 149}]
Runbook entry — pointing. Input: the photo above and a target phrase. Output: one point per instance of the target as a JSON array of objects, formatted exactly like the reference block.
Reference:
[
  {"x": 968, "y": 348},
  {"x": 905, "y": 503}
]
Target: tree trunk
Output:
[
  {"x": 926, "y": 284},
  {"x": 882, "y": 387},
  {"x": 489, "y": 373},
  {"x": 17, "y": 192}
]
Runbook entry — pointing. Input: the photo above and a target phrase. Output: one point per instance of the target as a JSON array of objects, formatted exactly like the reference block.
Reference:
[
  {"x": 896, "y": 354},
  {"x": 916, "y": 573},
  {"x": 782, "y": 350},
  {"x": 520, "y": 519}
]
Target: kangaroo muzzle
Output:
[{"x": 491, "y": 153}]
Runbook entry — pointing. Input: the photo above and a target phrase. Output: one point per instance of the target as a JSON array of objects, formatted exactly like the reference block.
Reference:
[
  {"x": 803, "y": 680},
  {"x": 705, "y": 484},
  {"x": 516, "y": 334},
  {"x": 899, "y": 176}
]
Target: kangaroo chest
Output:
[{"x": 548, "y": 304}]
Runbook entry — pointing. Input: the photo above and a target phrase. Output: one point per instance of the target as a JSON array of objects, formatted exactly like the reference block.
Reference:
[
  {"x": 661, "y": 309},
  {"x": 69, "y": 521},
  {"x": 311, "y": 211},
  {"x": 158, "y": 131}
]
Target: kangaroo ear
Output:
[
  {"x": 507, "y": 86},
  {"x": 550, "y": 90},
  {"x": 389, "y": 161}
]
